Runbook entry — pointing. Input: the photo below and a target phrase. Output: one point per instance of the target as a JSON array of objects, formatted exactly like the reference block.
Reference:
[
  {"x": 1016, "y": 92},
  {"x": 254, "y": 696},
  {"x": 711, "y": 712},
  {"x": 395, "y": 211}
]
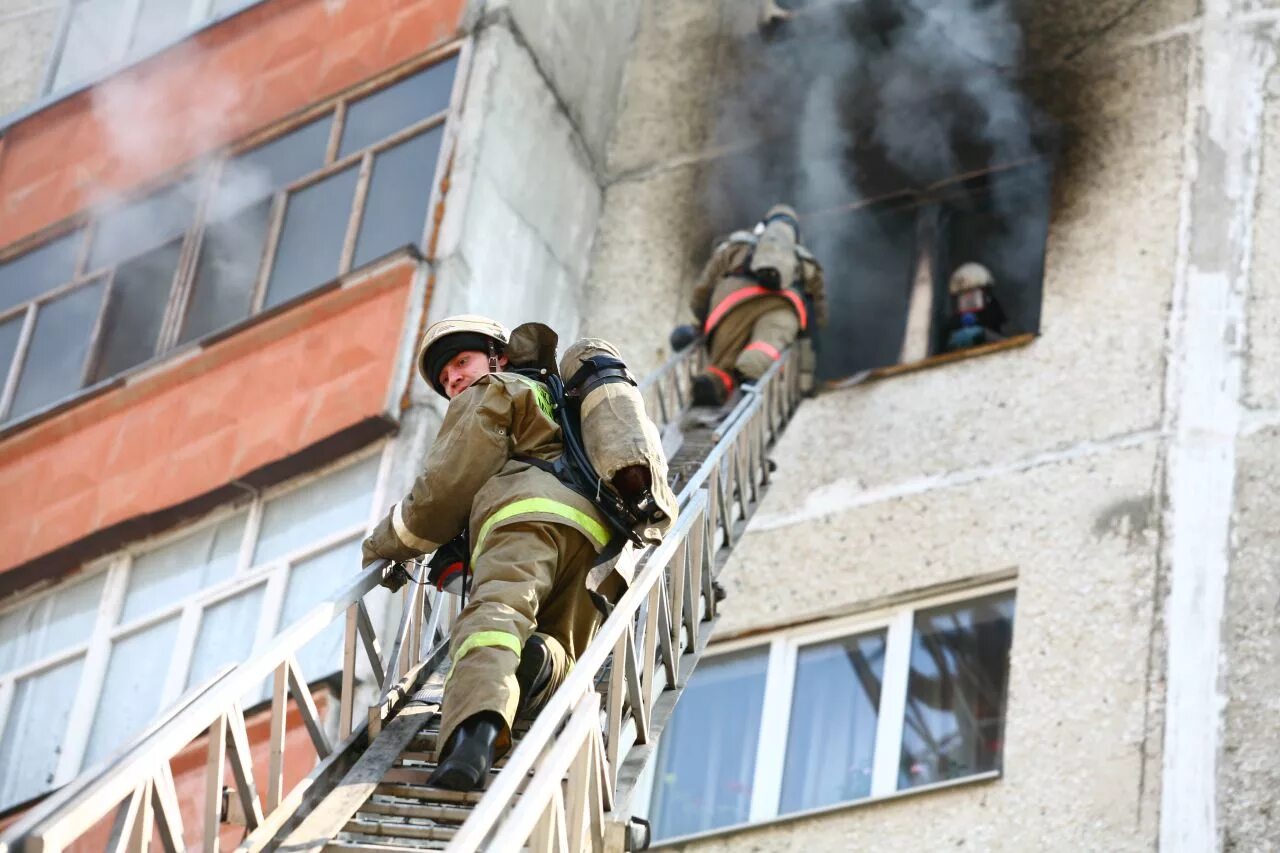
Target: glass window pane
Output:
[
  {"x": 230, "y": 255},
  {"x": 395, "y": 210},
  {"x": 10, "y": 331},
  {"x": 226, "y": 634},
  {"x": 954, "y": 722},
  {"x": 50, "y": 623},
  {"x": 38, "y": 271},
  {"x": 315, "y": 226},
  {"x": 318, "y": 509},
  {"x": 35, "y": 730},
  {"x": 832, "y": 734},
  {"x": 706, "y": 758},
  {"x": 54, "y": 363},
  {"x": 256, "y": 174},
  {"x": 131, "y": 689},
  {"x": 92, "y": 35},
  {"x": 311, "y": 582},
  {"x": 175, "y": 571},
  {"x": 377, "y": 116},
  {"x": 148, "y": 223},
  {"x": 159, "y": 22},
  {"x": 135, "y": 309}
]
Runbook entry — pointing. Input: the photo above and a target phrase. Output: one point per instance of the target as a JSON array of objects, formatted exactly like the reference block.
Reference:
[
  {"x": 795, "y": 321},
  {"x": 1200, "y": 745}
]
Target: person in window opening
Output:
[
  {"x": 975, "y": 317},
  {"x": 534, "y": 543},
  {"x": 759, "y": 291}
]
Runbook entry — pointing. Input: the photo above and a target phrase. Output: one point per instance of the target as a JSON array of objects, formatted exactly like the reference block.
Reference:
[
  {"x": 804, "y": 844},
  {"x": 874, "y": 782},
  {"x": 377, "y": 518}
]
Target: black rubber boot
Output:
[
  {"x": 534, "y": 676},
  {"x": 708, "y": 391},
  {"x": 468, "y": 755}
]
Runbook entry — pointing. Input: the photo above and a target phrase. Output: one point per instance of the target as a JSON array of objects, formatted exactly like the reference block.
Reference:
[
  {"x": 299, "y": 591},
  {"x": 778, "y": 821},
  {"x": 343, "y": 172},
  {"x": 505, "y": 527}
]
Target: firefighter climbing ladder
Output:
[{"x": 567, "y": 783}]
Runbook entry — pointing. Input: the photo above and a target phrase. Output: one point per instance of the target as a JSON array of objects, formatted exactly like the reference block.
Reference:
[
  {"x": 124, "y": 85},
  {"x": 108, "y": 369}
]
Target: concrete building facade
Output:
[{"x": 1108, "y": 484}]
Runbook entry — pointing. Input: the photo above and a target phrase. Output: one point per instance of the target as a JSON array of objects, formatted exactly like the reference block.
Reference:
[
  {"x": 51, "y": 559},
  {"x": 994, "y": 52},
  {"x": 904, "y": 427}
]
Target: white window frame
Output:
[
  {"x": 784, "y": 645},
  {"x": 96, "y": 650}
]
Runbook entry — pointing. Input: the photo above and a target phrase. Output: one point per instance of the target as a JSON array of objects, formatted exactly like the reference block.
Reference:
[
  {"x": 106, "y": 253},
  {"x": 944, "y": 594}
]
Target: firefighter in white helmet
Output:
[
  {"x": 975, "y": 317},
  {"x": 533, "y": 542},
  {"x": 760, "y": 290}
]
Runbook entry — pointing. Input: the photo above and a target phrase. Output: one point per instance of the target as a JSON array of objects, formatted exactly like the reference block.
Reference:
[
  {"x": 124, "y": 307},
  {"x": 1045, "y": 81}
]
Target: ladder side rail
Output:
[
  {"x": 740, "y": 450},
  {"x": 581, "y": 681},
  {"x": 65, "y": 816}
]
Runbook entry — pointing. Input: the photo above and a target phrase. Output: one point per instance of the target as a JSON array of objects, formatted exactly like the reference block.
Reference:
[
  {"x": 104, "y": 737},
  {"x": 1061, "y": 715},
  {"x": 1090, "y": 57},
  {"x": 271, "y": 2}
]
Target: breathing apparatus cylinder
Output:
[
  {"x": 617, "y": 433},
  {"x": 774, "y": 262}
]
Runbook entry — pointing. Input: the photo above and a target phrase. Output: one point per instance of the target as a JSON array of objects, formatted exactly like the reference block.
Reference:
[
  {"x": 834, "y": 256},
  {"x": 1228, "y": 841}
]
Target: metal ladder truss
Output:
[{"x": 567, "y": 783}]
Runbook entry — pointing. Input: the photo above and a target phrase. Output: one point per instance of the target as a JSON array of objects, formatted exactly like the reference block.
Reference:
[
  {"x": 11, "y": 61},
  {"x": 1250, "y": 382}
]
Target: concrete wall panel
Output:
[
  {"x": 667, "y": 101},
  {"x": 1078, "y": 736},
  {"x": 1262, "y": 383},
  {"x": 28, "y": 29},
  {"x": 524, "y": 203},
  {"x": 1249, "y": 775},
  {"x": 582, "y": 47}
]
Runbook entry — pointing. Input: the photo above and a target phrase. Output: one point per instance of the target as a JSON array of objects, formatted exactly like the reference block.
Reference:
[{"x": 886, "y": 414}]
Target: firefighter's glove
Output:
[
  {"x": 394, "y": 576},
  {"x": 682, "y": 336},
  {"x": 383, "y": 544}
]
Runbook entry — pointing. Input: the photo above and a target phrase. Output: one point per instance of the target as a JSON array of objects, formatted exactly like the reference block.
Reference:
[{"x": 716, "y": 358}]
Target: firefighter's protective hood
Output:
[{"x": 448, "y": 337}]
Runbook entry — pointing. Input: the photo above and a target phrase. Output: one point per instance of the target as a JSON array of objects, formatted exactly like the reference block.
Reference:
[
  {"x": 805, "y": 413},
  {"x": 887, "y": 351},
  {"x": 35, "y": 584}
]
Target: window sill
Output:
[
  {"x": 1015, "y": 342},
  {"x": 837, "y": 808}
]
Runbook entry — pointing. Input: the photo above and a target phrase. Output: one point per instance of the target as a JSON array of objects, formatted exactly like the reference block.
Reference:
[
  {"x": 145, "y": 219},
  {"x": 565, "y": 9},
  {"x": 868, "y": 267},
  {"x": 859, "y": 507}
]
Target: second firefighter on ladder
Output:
[
  {"x": 535, "y": 544},
  {"x": 760, "y": 290}
]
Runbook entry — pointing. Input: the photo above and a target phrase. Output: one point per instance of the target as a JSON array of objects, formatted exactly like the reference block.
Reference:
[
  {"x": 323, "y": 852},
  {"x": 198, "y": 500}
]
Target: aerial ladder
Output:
[{"x": 568, "y": 781}]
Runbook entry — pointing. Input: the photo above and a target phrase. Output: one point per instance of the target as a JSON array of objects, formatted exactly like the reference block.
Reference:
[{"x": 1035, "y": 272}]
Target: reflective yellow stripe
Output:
[
  {"x": 481, "y": 639},
  {"x": 541, "y": 394},
  {"x": 593, "y": 528}
]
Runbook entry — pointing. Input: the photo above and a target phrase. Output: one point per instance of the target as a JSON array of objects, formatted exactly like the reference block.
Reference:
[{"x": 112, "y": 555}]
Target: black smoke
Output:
[{"x": 899, "y": 128}]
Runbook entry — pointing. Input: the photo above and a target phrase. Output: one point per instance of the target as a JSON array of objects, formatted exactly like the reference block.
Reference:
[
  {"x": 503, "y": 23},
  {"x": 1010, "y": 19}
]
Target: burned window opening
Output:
[{"x": 902, "y": 134}]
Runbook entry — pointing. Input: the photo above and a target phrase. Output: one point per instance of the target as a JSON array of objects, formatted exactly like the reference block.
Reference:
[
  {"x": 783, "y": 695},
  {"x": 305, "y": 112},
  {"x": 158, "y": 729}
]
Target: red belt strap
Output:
[{"x": 738, "y": 296}]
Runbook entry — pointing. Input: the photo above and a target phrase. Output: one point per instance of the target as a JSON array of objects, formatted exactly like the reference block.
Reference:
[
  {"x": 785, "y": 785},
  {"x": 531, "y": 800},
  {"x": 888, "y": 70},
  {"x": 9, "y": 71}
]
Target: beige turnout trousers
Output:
[
  {"x": 750, "y": 338},
  {"x": 530, "y": 577}
]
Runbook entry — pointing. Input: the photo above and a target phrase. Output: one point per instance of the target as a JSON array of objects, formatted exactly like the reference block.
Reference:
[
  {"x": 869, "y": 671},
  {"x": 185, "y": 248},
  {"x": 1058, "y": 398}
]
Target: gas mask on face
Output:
[{"x": 971, "y": 301}]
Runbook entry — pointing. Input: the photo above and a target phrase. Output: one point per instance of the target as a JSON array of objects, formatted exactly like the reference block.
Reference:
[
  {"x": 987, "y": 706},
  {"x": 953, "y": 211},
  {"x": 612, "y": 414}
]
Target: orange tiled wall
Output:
[
  {"x": 228, "y": 81},
  {"x": 197, "y": 424}
]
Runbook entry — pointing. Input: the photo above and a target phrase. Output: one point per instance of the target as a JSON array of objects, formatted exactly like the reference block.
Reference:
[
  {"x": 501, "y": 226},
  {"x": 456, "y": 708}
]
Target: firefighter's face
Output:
[{"x": 465, "y": 368}]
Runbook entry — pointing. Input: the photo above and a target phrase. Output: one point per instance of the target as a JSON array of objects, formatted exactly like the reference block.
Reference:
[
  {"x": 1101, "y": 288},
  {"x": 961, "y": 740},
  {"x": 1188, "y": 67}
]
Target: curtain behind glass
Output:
[
  {"x": 707, "y": 757},
  {"x": 832, "y": 734}
]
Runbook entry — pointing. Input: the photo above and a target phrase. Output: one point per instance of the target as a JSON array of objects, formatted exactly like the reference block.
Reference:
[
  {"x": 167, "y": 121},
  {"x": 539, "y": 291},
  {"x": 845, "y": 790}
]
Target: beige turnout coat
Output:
[{"x": 471, "y": 478}]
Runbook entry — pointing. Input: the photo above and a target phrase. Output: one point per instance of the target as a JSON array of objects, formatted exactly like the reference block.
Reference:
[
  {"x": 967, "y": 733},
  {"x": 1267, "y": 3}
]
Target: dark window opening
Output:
[
  {"x": 908, "y": 155},
  {"x": 395, "y": 209},
  {"x": 312, "y": 237},
  {"x": 135, "y": 311}
]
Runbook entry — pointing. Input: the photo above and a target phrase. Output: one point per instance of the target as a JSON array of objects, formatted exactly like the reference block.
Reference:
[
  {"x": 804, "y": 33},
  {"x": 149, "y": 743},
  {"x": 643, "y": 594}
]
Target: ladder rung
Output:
[
  {"x": 446, "y": 813},
  {"x": 390, "y": 829},
  {"x": 350, "y": 845},
  {"x": 420, "y": 775},
  {"x": 425, "y": 794}
]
